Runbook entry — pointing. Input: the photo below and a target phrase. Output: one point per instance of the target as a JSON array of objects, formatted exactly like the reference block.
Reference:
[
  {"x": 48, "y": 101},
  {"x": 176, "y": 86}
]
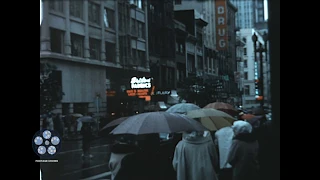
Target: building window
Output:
[
  {"x": 142, "y": 58},
  {"x": 246, "y": 75},
  {"x": 95, "y": 48},
  {"x": 110, "y": 52},
  {"x": 177, "y": 47},
  {"x": 76, "y": 9},
  {"x": 177, "y": 2},
  {"x": 56, "y": 5},
  {"x": 109, "y": 18},
  {"x": 141, "y": 30},
  {"x": 181, "y": 49},
  {"x": 94, "y": 13},
  {"x": 77, "y": 46},
  {"x": 56, "y": 40},
  {"x": 65, "y": 108},
  {"x": 245, "y": 51},
  {"x": 260, "y": 12},
  {"x": 200, "y": 62},
  {"x": 261, "y": 19},
  {"x": 133, "y": 27},
  {"x": 138, "y": 3},
  {"x": 80, "y": 108},
  {"x": 245, "y": 64},
  {"x": 246, "y": 90}
]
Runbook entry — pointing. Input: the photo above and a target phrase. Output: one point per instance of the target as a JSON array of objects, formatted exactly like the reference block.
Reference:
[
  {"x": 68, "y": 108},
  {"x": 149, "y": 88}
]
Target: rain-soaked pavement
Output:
[{"x": 71, "y": 165}]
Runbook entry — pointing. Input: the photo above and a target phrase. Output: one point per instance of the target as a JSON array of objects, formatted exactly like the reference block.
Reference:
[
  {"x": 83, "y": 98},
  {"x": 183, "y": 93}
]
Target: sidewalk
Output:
[{"x": 78, "y": 137}]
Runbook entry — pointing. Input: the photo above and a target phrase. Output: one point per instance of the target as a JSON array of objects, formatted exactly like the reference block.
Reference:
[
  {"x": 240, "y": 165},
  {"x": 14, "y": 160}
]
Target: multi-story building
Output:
[
  {"x": 207, "y": 11},
  {"x": 250, "y": 13},
  {"x": 127, "y": 55},
  {"x": 231, "y": 65},
  {"x": 73, "y": 39},
  {"x": 242, "y": 63},
  {"x": 161, "y": 33},
  {"x": 181, "y": 55},
  {"x": 251, "y": 67},
  {"x": 194, "y": 43}
]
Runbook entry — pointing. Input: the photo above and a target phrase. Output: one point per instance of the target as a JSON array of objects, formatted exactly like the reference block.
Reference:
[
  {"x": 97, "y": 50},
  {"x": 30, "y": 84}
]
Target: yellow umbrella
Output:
[{"x": 212, "y": 119}]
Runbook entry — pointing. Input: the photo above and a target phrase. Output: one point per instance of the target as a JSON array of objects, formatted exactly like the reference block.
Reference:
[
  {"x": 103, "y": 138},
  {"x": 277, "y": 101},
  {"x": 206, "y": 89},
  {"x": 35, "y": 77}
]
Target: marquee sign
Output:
[{"x": 140, "y": 83}]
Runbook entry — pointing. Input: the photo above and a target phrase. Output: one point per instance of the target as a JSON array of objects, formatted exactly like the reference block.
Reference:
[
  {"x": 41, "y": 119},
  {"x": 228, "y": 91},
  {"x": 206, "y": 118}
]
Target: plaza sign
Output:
[
  {"x": 221, "y": 25},
  {"x": 140, "y": 83}
]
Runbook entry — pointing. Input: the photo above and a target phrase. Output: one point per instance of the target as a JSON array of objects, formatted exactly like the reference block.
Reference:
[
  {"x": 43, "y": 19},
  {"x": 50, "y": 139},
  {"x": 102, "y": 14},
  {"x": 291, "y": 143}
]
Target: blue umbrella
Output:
[{"x": 182, "y": 108}]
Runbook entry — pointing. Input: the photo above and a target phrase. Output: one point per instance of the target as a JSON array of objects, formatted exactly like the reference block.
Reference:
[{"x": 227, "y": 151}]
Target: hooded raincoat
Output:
[{"x": 195, "y": 158}]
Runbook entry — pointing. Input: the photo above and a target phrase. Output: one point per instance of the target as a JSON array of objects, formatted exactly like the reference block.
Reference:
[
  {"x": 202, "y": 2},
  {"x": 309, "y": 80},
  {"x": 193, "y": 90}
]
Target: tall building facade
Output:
[
  {"x": 250, "y": 13},
  {"x": 161, "y": 34},
  {"x": 206, "y": 10},
  {"x": 72, "y": 38},
  {"x": 128, "y": 61},
  {"x": 251, "y": 67}
]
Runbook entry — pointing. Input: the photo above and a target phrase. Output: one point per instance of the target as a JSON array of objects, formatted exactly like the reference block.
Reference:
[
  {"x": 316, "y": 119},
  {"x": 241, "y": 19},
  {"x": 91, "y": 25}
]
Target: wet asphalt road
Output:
[{"x": 72, "y": 166}]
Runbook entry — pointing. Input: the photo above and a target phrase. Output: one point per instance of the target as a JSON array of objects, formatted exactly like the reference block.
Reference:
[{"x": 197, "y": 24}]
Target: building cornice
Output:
[{"x": 62, "y": 57}]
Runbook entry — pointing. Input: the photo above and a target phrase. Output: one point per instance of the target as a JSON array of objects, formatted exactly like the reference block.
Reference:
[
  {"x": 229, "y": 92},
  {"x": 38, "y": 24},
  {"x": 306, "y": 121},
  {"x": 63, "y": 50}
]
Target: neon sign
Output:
[{"x": 140, "y": 83}]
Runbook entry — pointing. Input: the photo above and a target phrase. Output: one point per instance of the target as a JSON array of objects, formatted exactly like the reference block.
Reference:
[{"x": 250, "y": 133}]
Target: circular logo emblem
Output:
[{"x": 46, "y": 143}]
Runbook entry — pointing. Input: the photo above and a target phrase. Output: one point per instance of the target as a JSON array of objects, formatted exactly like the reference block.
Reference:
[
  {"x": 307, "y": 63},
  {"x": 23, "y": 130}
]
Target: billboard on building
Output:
[{"x": 221, "y": 25}]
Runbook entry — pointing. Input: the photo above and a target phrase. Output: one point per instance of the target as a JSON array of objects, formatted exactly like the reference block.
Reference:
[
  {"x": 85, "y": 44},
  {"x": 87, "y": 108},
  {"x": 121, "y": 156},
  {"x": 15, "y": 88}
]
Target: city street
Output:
[{"x": 71, "y": 165}]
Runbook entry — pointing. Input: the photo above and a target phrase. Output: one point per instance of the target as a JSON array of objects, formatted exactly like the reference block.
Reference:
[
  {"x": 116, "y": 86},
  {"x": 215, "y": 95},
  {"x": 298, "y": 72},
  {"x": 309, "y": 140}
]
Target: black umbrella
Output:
[{"x": 157, "y": 122}]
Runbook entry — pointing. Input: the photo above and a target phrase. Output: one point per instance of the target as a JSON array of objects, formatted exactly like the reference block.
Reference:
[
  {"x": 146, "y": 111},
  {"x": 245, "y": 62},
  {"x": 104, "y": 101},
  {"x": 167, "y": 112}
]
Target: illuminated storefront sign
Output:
[
  {"x": 140, "y": 93},
  {"x": 110, "y": 93},
  {"x": 140, "y": 83},
  {"x": 163, "y": 92}
]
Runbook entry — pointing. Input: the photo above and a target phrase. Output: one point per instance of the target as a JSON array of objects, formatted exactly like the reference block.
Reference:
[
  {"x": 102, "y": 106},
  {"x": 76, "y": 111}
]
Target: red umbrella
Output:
[{"x": 225, "y": 107}]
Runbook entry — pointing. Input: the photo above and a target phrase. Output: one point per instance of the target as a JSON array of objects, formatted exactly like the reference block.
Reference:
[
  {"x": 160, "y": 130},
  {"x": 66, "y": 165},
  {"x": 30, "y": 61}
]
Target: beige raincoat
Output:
[{"x": 195, "y": 158}]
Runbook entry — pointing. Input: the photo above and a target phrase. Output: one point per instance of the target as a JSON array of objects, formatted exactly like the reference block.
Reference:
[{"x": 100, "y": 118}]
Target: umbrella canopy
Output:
[
  {"x": 212, "y": 119},
  {"x": 219, "y": 105},
  {"x": 247, "y": 116},
  {"x": 112, "y": 124},
  {"x": 182, "y": 108},
  {"x": 86, "y": 119},
  {"x": 76, "y": 115},
  {"x": 157, "y": 122},
  {"x": 225, "y": 107}
]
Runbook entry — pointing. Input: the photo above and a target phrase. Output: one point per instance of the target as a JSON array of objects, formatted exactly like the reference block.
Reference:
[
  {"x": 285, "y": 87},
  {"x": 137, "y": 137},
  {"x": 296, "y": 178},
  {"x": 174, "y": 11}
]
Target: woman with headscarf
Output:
[
  {"x": 243, "y": 154},
  {"x": 195, "y": 157}
]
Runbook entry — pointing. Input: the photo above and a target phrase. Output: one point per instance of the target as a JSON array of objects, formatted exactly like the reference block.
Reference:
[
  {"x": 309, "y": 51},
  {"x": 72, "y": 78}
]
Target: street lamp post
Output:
[
  {"x": 260, "y": 50},
  {"x": 265, "y": 39}
]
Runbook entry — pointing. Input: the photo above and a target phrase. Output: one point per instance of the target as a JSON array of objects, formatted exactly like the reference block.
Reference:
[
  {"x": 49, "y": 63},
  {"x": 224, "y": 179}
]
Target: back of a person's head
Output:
[{"x": 241, "y": 127}]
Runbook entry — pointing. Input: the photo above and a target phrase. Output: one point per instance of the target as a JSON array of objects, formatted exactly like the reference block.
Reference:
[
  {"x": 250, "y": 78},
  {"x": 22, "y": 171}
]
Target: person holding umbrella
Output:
[{"x": 86, "y": 139}]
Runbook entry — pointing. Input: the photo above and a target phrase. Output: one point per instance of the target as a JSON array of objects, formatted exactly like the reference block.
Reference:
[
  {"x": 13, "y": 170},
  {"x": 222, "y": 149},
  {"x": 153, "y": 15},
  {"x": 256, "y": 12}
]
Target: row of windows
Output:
[
  {"x": 77, "y": 46},
  {"x": 77, "y": 9}
]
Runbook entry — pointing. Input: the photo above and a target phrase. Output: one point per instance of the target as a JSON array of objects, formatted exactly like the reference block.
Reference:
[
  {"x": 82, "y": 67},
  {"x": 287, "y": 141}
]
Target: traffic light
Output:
[{"x": 257, "y": 84}]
